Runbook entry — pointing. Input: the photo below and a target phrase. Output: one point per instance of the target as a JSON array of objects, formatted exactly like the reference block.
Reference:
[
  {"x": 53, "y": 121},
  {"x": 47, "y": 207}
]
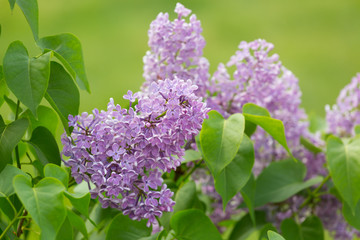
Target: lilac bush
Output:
[{"x": 193, "y": 156}]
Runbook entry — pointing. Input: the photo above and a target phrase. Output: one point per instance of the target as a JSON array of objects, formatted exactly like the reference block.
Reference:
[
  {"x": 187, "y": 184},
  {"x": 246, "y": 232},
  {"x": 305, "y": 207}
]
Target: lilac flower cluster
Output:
[
  {"x": 345, "y": 114},
  {"x": 260, "y": 78},
  {"x": 176, "y": 50},
  {"x": 124, "y": 152}
]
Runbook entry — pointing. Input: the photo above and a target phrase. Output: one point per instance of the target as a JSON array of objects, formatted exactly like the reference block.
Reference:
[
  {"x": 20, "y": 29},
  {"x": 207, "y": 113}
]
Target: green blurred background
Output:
[{"x": 318, "y": 40}]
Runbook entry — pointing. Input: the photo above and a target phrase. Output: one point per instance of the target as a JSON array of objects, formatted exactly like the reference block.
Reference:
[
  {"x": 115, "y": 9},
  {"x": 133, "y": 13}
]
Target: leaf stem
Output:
[
  {"x": 312, "y": 194},
  {"x": 92, "y": 222},
  {"x": 189, "y": 173},
  {"x": 17, "y": 146},
  {"x": 23, "y": 218},
  {"x": 11, "y": 223}
]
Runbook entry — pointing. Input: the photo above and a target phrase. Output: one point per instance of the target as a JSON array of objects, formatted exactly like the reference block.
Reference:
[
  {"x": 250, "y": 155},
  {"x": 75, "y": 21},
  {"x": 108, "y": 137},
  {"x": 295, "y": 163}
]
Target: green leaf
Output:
[
  {"x": 248, "y": 194},
  {"x": 123, "y": 228},
  {"x": 344, "y": 163},
  {"x": 310, "y": 229},
  {"x": 220, "y": 140},
  {"x": 280, "y": 180},
  {"x": 264, "y": 230},
  {"x": 68, "y": 50},
  {"x": 80, "y": 202},
  {"x": 9, "y": 138},
  {"x": 191, "y": 155},
  {"x": 195, "y": 225},
  {"x": 45, "y": 146},
  {"x": 12, "y": 105},
  {"x": 62, "y": 94},
  {"x": 31, "y": 12},
  {"x": 352, "y": 218},
  {"x": 26, "y": 77},
  {"x": 52, "y": 170},
  {"x": 46, "y": 118},
  {"x": 291, "y": 230},
  {"x": 260, "y": 116},
  {"x": 66, "y": 231},
  {"x": 235, "y": 175},
  {"x": 44, "y": 202},
  {"x": 186, "y": 197},
  {"x": 4, "y": 91},
  {"x": 6, "y": 180},
  {"x": 78, "y": 223},
  {"x": 274, "y": 236},
  {"x": 310, "y": 146},
  {"x": 245, "y": 227},
  {"x": 12, "y": 4}
]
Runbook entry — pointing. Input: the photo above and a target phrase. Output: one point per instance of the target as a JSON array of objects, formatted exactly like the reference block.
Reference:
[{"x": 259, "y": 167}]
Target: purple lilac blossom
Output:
[
  {"x": 260, "y": 78},
  {"x": 124, "y": 152},
  {"x": 345, "y": 114},
  {"x": 176, "y": 49}
]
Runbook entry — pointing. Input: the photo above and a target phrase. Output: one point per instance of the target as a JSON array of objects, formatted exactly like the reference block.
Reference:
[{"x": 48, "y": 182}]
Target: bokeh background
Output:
[{"x": 319, "y": 40}]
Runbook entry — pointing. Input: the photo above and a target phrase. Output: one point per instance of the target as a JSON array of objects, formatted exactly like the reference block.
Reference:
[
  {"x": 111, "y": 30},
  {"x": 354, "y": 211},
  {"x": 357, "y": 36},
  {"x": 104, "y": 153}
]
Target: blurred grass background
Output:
[{"x": 319, "y": 40}]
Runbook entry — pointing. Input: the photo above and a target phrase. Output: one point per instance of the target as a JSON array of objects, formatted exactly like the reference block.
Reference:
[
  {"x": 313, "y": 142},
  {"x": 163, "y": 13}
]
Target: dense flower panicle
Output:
[
  {"x": 124, "y": 152},
  {"x": 260, "y": 78},
  {"x": 176, "y": 50},
  {"x": 345, "y": 114}
]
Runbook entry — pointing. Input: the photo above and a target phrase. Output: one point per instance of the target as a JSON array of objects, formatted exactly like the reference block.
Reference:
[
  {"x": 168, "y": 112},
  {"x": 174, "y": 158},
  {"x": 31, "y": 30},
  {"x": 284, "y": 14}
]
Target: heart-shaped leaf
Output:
[
  {"x": 235, "y": 175},
  {"x": 67, "y": 49},
  {"x": 220, "y": 140},
  {"x": 344, "y": 163},
  {"x": 44, "y": 202},
  {"x": 26, "y": 77}
]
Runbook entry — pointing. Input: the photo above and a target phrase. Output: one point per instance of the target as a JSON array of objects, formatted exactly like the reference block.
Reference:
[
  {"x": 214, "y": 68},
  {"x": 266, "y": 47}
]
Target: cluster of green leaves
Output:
[{"x": 36, "y": 193}]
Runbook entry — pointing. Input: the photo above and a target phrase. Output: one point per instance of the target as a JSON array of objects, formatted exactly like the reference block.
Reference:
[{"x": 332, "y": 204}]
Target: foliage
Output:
[{"x": 127, "y": 163}]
